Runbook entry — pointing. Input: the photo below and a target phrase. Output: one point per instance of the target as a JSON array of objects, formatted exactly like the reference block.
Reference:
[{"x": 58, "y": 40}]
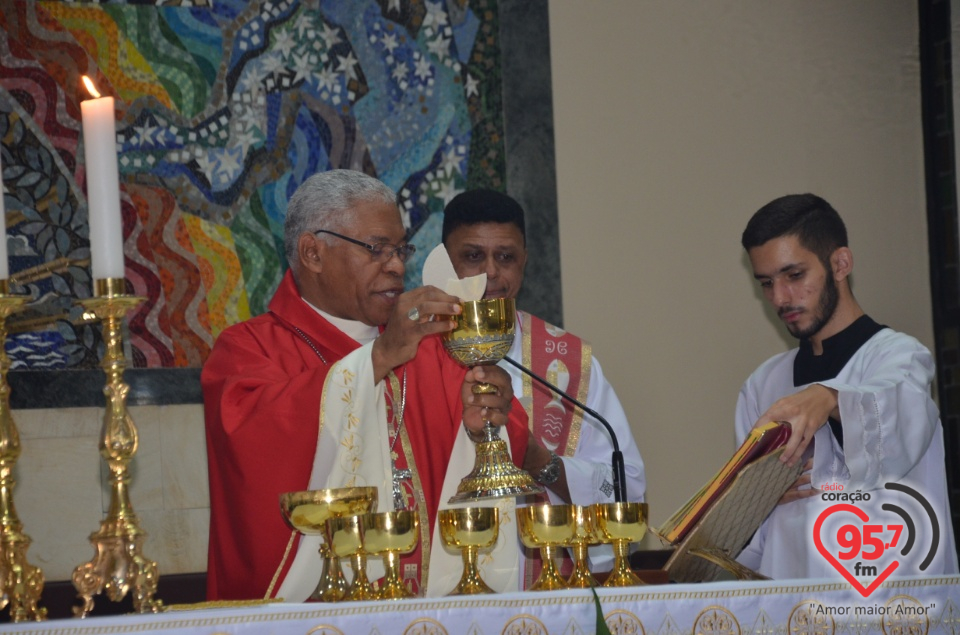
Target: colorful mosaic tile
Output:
[{"x": 223, "y": 109}]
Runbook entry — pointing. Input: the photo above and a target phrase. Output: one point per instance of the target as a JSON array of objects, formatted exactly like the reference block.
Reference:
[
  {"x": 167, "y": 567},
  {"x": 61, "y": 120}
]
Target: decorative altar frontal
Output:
[{"x": 909, "y": 606}]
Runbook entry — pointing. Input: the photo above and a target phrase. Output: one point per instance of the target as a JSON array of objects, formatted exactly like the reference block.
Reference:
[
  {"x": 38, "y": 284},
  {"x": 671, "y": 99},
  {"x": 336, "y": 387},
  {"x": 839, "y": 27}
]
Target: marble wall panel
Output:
[
  {"x": 58, "y": 500},
  {"x": 46, "y": 423},
  {"x": 184, "y": 457},
  {"x": 177, "y": 539}
]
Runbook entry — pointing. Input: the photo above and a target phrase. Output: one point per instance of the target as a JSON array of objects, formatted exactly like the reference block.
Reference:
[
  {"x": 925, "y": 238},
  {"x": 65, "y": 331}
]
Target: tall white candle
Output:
[
  {"x": 4, "y": 265},
  {"x": 103, "y": 187}
]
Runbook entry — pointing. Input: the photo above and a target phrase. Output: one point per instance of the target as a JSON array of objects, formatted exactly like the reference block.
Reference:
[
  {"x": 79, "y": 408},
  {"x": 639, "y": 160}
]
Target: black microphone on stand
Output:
[{"x": 619, "y": 474}]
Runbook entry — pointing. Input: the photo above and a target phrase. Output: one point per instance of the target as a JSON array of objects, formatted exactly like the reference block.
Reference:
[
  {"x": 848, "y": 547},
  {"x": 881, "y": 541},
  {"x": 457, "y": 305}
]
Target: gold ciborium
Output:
[
  {"x": 586, "y": 534},
  {"x": 484, "y": 334},
  {"x": 345, "y": 537},
  {"x": 621, "y": 524},
  {"x": 391, "y": 534},
  {"x": 308, "y": 512},
  {"x": 547, "y": 527},
  {"x": 470, "y": 529}
]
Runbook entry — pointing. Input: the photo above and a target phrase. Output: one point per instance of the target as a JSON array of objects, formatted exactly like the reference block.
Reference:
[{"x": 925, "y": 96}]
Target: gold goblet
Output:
[
  {"x": 390, "y": 534},
  {"x": 470, "y": 529},
  {"x": 484, "y": 334},
  {"x": 586, "y": 534},
  {"x": 547, "y": 527},
  {"x": 621, "y": 524},
  {"x": 308, "y": 512},
  {"x": 345, "y": 537}
]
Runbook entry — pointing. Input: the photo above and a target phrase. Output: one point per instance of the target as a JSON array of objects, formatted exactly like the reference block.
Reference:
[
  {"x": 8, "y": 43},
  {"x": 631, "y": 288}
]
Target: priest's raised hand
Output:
[{"x": 412, "y": 319}]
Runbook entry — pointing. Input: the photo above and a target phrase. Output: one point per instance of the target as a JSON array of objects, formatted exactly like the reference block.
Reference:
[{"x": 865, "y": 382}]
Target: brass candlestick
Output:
[
  {"x": 118, "y": 565},
  {"x": 20, "y": 582}
]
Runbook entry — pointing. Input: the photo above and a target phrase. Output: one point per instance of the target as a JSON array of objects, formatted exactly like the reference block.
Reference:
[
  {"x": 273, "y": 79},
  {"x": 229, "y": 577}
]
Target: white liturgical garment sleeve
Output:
[{"x": 891, "y": 433}]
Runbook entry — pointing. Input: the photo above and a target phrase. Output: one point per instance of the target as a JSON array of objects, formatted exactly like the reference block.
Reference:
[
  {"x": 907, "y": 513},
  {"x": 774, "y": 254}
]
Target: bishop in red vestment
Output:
[{"x": 264, "y": 381}]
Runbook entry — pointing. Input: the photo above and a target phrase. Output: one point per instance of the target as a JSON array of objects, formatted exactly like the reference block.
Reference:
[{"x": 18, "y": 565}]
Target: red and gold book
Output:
[{"x": 761, "y": 441}]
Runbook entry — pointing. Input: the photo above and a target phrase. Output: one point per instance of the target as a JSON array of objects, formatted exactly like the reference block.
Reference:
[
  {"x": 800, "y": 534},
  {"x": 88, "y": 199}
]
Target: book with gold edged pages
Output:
[{"x": 713, "y": 527}]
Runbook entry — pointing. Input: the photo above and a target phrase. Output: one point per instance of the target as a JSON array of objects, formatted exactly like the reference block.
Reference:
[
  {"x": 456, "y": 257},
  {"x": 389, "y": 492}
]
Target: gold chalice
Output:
[
  {"x": 390, "y": 534},
  {"x": 345, "y": 537},
  {"x": 621, "y": 524},
  {"x": 308, "y": 512},
  {"x": 470, "y": 529},
  {"x": 547, "y": 527},
  {"x": 587, "y": 533},
  {"x": 484, "y": 334}
]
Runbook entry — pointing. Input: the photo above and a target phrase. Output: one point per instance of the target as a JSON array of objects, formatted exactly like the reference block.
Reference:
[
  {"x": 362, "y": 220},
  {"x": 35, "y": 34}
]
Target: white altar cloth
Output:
[{"x": 907, "y": 606}]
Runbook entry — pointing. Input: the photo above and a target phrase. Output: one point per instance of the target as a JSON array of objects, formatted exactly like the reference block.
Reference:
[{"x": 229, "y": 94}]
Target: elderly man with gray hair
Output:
[{"x": 342, "y": 383}]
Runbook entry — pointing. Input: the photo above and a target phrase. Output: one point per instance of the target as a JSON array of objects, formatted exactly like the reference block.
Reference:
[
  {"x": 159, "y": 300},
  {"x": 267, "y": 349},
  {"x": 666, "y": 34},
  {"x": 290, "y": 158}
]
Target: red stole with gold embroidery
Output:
[{"x": 563, "y": 359}]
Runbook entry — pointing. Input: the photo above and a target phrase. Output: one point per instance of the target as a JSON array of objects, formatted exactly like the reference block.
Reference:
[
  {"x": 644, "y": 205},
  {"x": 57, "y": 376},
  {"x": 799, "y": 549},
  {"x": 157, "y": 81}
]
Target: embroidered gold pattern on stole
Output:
[
  {"x": 421, "y": 508},
  {"x": 586, "y": 355},
  {"x": 412, "y": 491},
  {"x": 351, "y": 442},
  {"x": 526, "y": 343},
  {"x": 576, "y": 421}
]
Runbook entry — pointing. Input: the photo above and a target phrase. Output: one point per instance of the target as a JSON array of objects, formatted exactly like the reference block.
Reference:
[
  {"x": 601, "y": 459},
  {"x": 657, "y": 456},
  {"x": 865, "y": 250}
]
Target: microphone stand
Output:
[{"x": 619, "y": 474}]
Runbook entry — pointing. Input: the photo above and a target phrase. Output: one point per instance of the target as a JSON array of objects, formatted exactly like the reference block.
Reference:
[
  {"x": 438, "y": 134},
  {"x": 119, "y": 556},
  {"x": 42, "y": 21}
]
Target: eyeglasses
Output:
[{"x": 381, "y": 252}]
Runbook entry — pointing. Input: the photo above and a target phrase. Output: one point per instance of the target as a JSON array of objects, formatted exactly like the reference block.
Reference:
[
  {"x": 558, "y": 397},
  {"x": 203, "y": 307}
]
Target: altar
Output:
[{"x": 907, "y": 606}]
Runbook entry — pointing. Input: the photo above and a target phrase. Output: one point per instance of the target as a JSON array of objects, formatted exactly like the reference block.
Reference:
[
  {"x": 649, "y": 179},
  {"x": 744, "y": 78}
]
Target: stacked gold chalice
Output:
[
  {"x": 308, "y": 512},
  {"x": 548, "y": 527},
  {"x": 344, "y": 535},
  {"x": 587, "y": 533},
  {"x": 390, "y": 535}
]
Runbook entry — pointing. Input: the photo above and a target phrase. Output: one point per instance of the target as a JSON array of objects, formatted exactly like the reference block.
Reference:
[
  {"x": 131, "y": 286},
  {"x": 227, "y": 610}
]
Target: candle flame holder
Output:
[
  {"x": 20, "y": 582},
  {"x": 119, "y": 566}
]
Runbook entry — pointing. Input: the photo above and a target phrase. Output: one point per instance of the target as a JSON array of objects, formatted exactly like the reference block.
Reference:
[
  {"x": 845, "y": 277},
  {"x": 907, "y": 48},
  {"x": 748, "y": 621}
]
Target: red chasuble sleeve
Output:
[{"x": 261, "y": 387}]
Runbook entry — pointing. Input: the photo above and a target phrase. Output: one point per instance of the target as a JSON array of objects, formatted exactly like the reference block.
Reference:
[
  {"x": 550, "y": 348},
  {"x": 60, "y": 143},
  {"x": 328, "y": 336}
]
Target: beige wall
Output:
[{"x": 675, "y": 121}]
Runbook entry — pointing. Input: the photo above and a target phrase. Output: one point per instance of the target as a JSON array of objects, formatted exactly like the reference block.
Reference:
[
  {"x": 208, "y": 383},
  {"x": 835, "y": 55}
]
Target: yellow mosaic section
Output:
[
  {"x": 117, "y": 57},
  {"x": 220, "y": 271}
]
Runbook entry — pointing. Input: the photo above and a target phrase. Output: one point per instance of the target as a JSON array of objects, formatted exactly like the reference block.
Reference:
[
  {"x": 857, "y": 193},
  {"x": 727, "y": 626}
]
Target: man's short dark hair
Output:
[
  {"x": 811, "y": 219},
  {"x": 482, "y": 206}
]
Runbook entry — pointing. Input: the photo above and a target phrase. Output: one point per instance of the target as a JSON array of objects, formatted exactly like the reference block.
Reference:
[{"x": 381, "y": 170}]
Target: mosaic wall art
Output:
[{"x": 223, "y": 109}]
